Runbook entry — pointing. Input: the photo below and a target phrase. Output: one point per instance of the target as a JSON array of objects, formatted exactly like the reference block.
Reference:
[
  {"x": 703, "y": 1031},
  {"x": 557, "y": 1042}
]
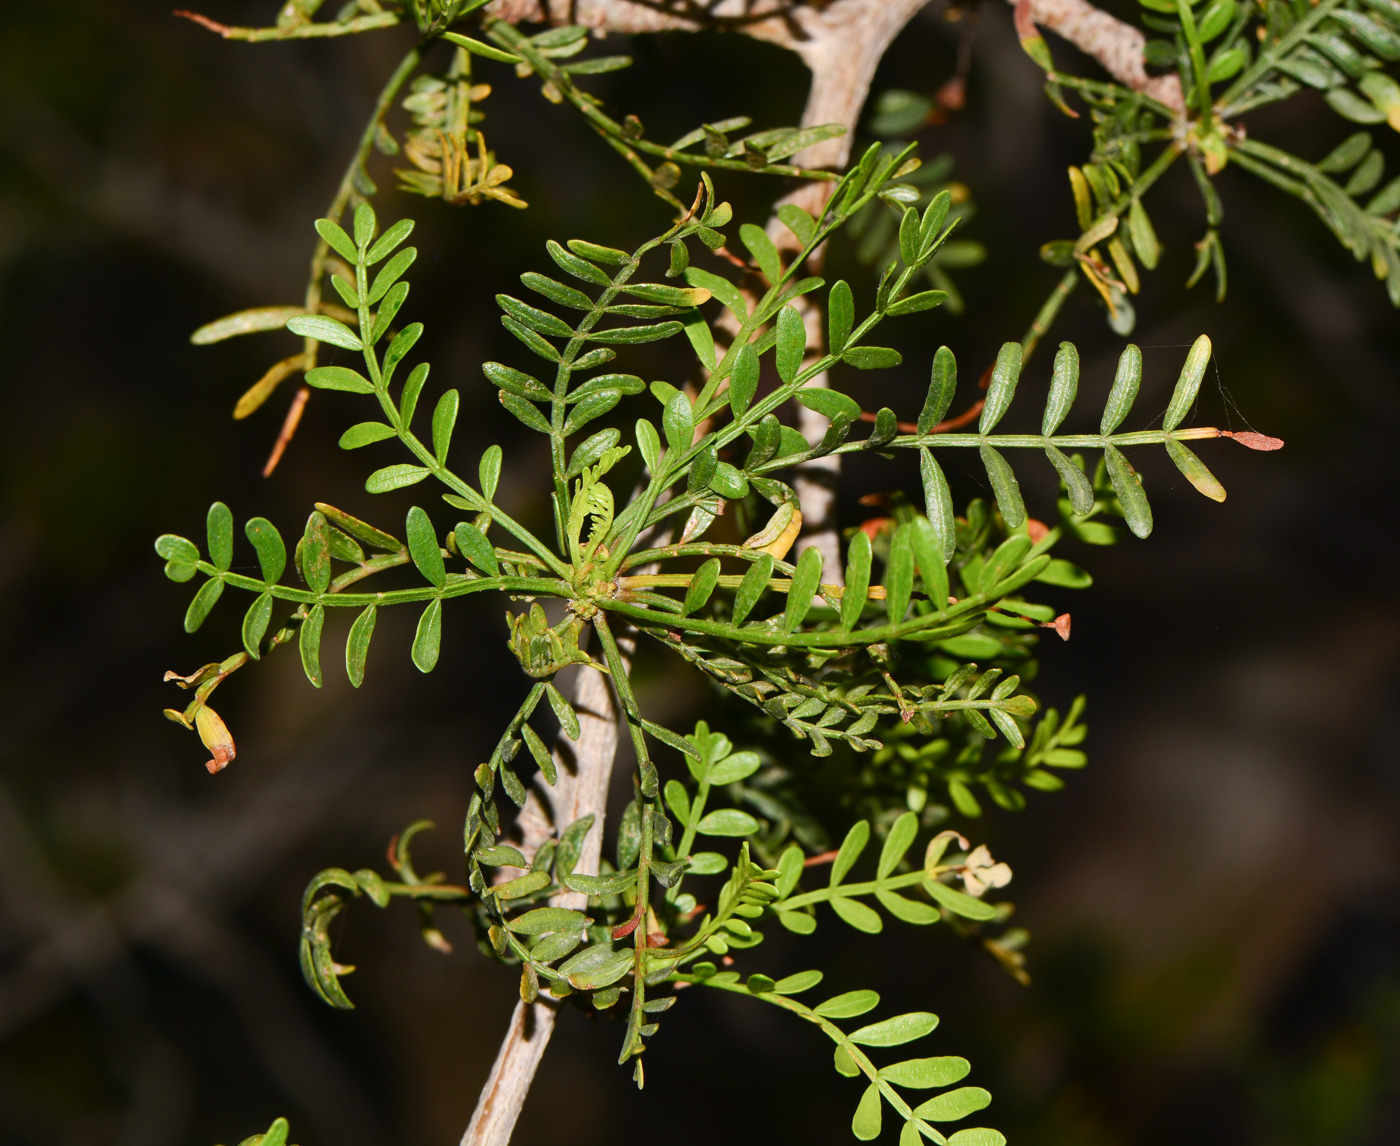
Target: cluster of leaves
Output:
[
  {"x": 1233, "y": 58},
  {"x": 589, "y": 956},
  {"x": 826, "y": 661},
  {"x": 447, "y": 151}
]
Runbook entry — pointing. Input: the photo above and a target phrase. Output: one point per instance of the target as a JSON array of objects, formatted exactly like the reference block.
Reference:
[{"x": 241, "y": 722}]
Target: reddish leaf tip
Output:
[{"x": 1252, "y": 441}]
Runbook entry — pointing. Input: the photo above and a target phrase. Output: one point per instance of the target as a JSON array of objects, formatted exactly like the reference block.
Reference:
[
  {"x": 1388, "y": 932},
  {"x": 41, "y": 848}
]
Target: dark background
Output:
[{"x": 1216, "y": 951}]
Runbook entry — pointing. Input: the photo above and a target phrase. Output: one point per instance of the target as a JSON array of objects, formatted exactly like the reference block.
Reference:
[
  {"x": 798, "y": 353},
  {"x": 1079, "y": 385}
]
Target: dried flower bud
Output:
[{"x": 215, "y": 734}]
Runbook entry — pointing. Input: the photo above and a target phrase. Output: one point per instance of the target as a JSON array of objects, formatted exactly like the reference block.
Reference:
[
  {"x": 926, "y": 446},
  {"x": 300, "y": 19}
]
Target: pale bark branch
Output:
[
  {"x": 584, "y": 775},
  {"x": 1118, "y": 47}
]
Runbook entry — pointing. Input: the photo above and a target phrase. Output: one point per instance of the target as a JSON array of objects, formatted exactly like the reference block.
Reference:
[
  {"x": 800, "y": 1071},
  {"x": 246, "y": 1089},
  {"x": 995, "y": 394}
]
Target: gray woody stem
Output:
[{"x": 582, "y": 789}]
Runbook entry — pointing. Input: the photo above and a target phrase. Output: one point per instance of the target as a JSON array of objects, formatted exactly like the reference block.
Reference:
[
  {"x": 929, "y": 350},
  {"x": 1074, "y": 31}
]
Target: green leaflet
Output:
[
  {"x": 423, "y": 547},
  {"x": 579, "y": 268},
  {"x": 743, "y": 380},
  {"x": 316, "y": 553},
  {"x": 1195, "y": 470},
  {"x": 678, "y": 422},
  {"x": 219, "y": 526},
  {"x": 1002, "y": 387},
  {"x": 932, "y": 565},
  {"x": 412, "y": 388},
  {"x": 866, "y": 1123},
  {"x": 1188, "y": 385},
  {"x": 357, "y": 645},
  {"x": 1081, "y": 491},
  {"x": 954, "y": 1104},
  {"x": 792, "y": 343},
  {"x": 427, "y": 640},
  {"x": 796, "y": 984},
  {"x": 805, "y": 580},
  {"x": 764, "y": 253},
  {"x": 1144, "y": 239},
  {"x": 899, "y": 574},
  {"x": 1064, "y": 384},
  {"x": 325, "y": 330},
  {"x": 848, "y": 1006},
  {"x": 943, "y": 381},
  {"x": 365, "y": 434},
  {"x": 255, "y": 622},
  {"x": 489, "y": 471},
  {"x": 543, "y": 758},
  {"x": 590, "y": 450},
  {"x": 272, "y": 552},
  {"x": 444, "y": 421},
  {"x": 857, "y": 579},
  {"x": 309, "y": 644},
  {"x": 857, "y": 914},
  {"x": 1005, "y": 486},
  {"x": 896, "y": 1031},
  {"x": 395, "y": 477},
  {"x": 751, "y": 588},
  {"x": 727, "y": 822},
  {"x": 202, "y": 603},
  {"x": 926, "y": 1073},
  {"x": 1125, "y": 389},
  {"x": 1136, "y": 511},
  {"x": 830, "y": 403},
  {"x": 840, "y": 316},
  {"x": 849, "y": 852},
  {"x": 959, "y": 902},
  {"x": 938, "y": 506},
  {"x": 897, "y": 842},
  {"x": 563, "y": 711},
  {"x": 475, "y": 547},
  {"x": 648, "y": 444},
  {"x": 701, "y": 586}
]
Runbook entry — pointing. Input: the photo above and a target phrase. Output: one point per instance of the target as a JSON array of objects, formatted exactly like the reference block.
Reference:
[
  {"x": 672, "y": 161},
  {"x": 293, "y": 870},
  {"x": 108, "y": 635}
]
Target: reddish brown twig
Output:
[
  {"x": 204, "y": 22},
  {"x": 289, "y": 427}
]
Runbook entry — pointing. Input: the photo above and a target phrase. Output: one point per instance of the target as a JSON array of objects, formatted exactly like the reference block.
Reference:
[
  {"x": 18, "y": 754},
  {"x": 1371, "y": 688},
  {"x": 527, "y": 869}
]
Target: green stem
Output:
[
  {"x": 1048, "y": 312},
  {"x": 321, "y": 252},
  {"x": 833, "y": 1032},
  {"x": 515, "y": 41},
  {"x": 456, "y": 586}
]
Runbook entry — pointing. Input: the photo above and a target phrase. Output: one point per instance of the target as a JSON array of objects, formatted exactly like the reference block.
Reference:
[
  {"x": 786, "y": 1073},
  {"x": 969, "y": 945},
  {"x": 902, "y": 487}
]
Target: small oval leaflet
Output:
[
  {"x": 926, "y": 1073},
  {"x": 751, "y": 588},
  {"x": 1125, "y": 389},
  {"x": 427, "y": 640},
  {"x": 1064, "y": 385},
  {"x": 309, "y": 644},
  {"x": 542, "y": 920},
  {"x": 896, "y": 1031},
  {"x": 943, "y": 381},
  {"x": 727, "y": 822},
  {"x": 255, "y": 622},
  {"x": 324, "y": 329},
  {"x": 1002, "y": 388},
  {"x": 866, "y": 1123},
  {"x": 857, "y": 914},
  {"x": 357, "y": 645},
  {"x": 395, "y": 477},
  {"x": 423, "y": 547},
  {"x": 848, "y": 1005},
  {"x": 1136, "y": 510},
  {"x": 954, "y": 1104},
  {"x": 272, "y": 553},
  {"x": 1189, "y": 384}
]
